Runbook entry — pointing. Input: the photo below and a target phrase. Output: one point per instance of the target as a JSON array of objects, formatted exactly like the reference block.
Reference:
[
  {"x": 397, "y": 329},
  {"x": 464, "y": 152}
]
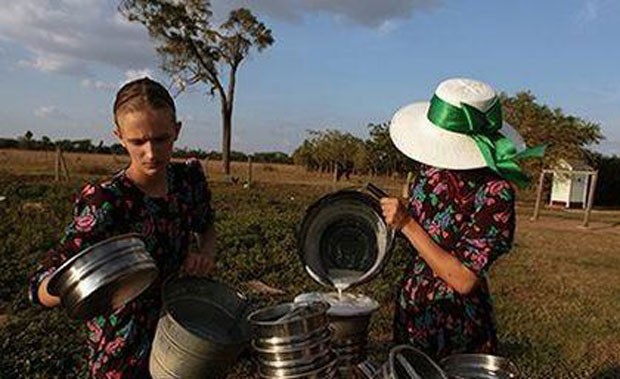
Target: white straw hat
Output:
[{"x": 416, "y": 136}]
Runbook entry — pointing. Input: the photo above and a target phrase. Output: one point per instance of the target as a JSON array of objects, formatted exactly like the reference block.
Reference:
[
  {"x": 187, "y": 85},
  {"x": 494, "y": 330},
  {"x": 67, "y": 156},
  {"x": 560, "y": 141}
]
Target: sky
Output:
[{"x": 335, "y": 64}]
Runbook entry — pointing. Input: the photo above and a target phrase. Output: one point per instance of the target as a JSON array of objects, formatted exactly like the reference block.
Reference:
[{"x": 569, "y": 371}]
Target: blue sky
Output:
[{"x": 335, "y": 64}]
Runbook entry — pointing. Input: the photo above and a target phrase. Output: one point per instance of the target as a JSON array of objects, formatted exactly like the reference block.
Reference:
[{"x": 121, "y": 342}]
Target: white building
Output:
[{"x": 570, "y": 183}]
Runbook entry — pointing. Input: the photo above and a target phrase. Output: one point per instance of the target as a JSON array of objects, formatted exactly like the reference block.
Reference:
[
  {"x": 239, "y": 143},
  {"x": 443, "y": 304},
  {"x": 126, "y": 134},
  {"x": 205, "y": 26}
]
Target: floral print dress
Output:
[
  {"x": 118, "y": 343},
  {"x": 471, "y": 215}
]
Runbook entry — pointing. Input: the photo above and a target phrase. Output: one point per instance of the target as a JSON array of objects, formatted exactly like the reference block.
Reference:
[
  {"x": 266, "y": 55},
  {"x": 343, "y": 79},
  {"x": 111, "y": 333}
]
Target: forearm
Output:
[
  {"x": 444, "y": 265},
  {"x": 206, "y": 242}
]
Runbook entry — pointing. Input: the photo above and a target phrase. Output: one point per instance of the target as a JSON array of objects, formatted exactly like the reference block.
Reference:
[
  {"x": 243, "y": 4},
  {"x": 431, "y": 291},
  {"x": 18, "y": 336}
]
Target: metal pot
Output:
[
  {"x": 343, "y": 239},
  {"x": 325, "y": 371},
  {"x": 278, "y": 324},
  {"x": 202, "y": 331},
  {"x": 298, "y": 354},
  {"x": 104, "y": 276},
  {"x": 479, "y": 366}
]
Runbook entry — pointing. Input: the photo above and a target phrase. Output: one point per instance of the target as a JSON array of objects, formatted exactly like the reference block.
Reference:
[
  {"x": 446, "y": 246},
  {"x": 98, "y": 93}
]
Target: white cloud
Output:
[
  {"x": 137, "y": 74},
  {"x": 589, "y": 12},
  {"x": 97, "y": 84},
  {"x": 370, "y": 13},
  {"x": 71, "y": 36},
  {"x": 49, "y": 111}
]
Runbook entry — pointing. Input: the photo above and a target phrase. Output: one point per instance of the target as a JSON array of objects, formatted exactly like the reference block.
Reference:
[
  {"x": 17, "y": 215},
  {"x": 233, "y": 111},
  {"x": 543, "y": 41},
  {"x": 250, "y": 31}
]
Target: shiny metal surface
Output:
[
  {"x": 297, "y": 354},
  {"x": 202, "y": 332},
  {"x": 269, "y": 325},
  {"x": 479, "y": 366},
  {"x": 344, "y": 231},
  {"x": 104, "y": 276},
  {"x": 323, "y": 371},
  {"x": 292, "y": 340},
  {"x": 406, "y": 362}
]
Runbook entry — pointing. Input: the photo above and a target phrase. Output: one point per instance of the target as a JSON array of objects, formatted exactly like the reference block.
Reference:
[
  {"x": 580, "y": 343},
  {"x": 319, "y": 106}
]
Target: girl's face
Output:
[{"x": 148, "y": 135}]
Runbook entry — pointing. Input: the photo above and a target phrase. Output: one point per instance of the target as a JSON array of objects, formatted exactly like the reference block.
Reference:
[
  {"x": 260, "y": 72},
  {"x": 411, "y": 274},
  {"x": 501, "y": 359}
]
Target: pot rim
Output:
[
  {"x": 350, "y": 194},
  {"x": 54, "y": 283}
]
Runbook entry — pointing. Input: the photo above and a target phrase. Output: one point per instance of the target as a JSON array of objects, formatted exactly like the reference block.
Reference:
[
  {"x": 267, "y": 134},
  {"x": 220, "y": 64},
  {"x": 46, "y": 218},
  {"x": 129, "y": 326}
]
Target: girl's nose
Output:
[{"x": 149, "y": 150}]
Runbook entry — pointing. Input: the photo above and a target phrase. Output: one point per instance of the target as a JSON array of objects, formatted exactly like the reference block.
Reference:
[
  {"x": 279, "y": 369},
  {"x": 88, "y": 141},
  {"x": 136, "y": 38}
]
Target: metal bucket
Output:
[
  {"x": 479, "y": 366},
  {"x": 202, "y": 331},
  {"x": 104, "y": 276},
  {"x": 406, "y": 362}
]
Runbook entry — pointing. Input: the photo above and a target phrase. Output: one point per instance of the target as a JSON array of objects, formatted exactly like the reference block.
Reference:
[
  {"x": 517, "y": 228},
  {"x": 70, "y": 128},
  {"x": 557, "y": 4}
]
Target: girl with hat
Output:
[
  {"x": 166, "y": 203},
  {"x": 459, "y": 216}
]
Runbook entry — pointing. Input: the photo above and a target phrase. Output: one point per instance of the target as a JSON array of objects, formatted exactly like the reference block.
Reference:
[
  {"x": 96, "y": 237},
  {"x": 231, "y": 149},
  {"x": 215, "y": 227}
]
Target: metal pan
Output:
[{"x": 104, "y": 276}]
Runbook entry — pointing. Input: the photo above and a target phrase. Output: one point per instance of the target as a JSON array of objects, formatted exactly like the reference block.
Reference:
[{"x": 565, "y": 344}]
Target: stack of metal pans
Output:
[
  {"x": 349, "y": 317},
  {"x": 293, "y": 341}
]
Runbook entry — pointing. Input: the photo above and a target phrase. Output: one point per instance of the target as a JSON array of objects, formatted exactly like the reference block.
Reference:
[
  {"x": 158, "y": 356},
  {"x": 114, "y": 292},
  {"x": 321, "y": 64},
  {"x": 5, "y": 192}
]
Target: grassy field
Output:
[{"x": 556, "y": 293}]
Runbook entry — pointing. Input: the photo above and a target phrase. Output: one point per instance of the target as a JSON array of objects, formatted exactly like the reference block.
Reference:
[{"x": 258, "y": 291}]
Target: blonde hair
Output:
[{"x": 137, "y": 94}]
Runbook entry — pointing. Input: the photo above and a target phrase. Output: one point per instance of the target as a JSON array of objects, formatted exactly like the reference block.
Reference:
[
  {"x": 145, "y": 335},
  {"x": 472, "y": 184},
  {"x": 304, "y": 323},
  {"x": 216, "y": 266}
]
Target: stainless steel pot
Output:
[
  {"x": 324, "y": 371},
  {"x": 343, "y": 239},
  {"x": 299, "y": 354},
  {"x": 104, "y": 276},
  {"x": 202, "y": 331},
  {"x": 479, "y": 366},
  {"x": 278, "y": 325}
]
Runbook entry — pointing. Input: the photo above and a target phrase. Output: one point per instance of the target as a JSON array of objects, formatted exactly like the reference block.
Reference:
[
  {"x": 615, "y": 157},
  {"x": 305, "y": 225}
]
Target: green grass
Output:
[{"x": 556, "y": 293}]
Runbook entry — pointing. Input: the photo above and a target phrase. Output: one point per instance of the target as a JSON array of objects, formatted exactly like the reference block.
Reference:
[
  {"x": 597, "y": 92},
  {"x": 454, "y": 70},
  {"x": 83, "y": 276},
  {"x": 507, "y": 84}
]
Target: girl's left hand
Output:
[
  {"x": 394, "y": 212},
  {"x": 196, "y": 264}
]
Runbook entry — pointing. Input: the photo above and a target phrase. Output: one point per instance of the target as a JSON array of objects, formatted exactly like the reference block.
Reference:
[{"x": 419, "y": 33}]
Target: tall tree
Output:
[{"x": 193, "y": 51}]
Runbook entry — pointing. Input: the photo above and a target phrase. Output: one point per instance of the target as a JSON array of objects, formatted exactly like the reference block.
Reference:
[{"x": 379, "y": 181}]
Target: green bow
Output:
[{"x": 498, "y": 151}]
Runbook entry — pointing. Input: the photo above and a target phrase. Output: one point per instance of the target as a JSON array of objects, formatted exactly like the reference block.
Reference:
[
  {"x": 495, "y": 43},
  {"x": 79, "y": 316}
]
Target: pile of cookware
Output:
[{"x": 292, "y": 340}]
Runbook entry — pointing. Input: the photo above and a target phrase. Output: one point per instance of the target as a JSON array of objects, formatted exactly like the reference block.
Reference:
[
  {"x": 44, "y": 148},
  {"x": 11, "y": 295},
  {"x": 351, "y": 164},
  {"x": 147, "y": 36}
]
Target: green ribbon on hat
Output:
[{"x": 498, "y": 151}]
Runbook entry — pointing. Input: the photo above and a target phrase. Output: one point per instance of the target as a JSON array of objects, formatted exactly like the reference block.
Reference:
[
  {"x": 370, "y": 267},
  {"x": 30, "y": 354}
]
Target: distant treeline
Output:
[{"x": 28, "y": 142}]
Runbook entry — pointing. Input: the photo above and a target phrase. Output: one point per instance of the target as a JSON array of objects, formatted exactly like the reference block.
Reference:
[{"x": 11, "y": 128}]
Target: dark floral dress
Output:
[
  {"x": 118, "y": 343},
  {"x": 471, "y": 215}
]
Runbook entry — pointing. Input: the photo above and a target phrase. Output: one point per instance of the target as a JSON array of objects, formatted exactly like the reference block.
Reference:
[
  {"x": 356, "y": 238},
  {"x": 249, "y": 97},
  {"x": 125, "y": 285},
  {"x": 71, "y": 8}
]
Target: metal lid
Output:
[{"x": 343, "y": 239}]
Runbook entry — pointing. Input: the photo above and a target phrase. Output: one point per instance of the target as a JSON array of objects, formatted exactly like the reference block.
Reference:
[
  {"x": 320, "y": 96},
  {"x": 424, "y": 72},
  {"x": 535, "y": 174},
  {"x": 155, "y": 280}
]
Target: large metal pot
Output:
[
  {"x": 291, "y": 355},
  {"x": 343, "y": 239},
  {"x": 288, "y": 323},
  {"x": 479, "y": 366},
  {"x": 104, "y": 276},
  {"x": 202, "y": 332}
]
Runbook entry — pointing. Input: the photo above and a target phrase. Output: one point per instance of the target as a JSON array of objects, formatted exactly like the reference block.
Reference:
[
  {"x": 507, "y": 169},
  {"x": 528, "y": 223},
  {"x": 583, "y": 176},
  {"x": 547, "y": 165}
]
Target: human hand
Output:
[
  {"x": 196, "y": 264},
  {"x": 394, "y": 212}
]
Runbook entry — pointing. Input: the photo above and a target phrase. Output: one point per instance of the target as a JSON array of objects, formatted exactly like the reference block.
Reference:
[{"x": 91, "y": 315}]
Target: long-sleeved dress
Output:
[
  {"x": 118, "y": 343},
  {"x": 471, "y": 215}
]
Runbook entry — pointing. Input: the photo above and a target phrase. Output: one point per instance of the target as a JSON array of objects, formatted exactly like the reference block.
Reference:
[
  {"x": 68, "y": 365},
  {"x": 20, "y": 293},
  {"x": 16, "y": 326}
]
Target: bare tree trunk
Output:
[{"x": 226, "y": 138}]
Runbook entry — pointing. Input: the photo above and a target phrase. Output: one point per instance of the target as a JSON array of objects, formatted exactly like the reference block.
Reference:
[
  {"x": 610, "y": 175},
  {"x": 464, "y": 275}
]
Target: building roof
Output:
[{"x": 573, "y": 165}]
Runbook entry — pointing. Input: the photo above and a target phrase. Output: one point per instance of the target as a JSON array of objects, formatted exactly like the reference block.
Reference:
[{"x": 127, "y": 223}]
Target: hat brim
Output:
[{"x": 419, "y": 139}]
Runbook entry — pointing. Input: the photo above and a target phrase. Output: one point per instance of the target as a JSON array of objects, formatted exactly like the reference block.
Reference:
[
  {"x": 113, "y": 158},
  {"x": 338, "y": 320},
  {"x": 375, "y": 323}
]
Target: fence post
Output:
[
  {"x": 249, "y": 171},
  {"x": 205, "y": 167},
  {"x": 538, "y": 196},
  {"x": 57, "y": 165},
  {"x": 586, "y": 217}
]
